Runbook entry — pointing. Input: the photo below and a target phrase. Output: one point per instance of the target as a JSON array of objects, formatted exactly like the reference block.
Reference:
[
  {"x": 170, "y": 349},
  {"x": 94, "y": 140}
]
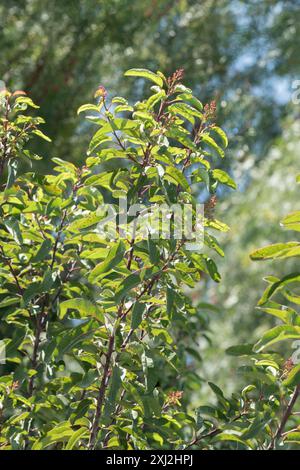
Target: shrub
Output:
[
  {"x": 267, "y": 416},
  {"x": 100, "y": 334}
]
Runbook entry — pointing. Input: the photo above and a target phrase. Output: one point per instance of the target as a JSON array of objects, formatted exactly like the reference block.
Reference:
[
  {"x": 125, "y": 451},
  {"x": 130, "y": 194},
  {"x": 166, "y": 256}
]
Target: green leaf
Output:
[
  {"x": 285, "y": 314},
  {"x": 293, "y": 437},
  {"x": 292, "y": 221},
  {"x": 177, "y": 177},
  {"x": 7, "y": 301},
  {"x": 85, "y": 307},
  {"x": 60, "y": 433},
  {"x": 64, "y": 165},
  {"x": 144, "y": 73},
  {"x": 148, "y": 366},
  {"x": 213, "y": 144},
  {"x": 123, "y": 108},
  {"x": 27, "y": 101},
  {"x": 170, "y": 299},
  {"x": 186, "y": 111},
  {"x": 192, "y": 100},
  {"x": 115, "y": 385},
  {"x": 255, "y": 427},
  {"x": 76, "y": 436},
  {"x": 224, "y": 178},
  {"x": 119, "y": 99},
  {"x": 226, "y": 436},
  {"x": 126, "y": 285},
  {"x": 40, "y": 134},
  {"x": 31, "y": 156},
  {"x": 154, "y": 253},
  {"x": 13, "y": 228},
  {"x": 12, "y": 173},
  {"x": 277, "y": 250},
  {"x": 293, "y": 298},
  {"x": 221, "y": 134},
  {"x": 89, "y": 107},
  {"x": 154, "y": 99},
  {"x": 212, "y": 242},
  {"x": 144, "y": 116},
  {"x": 85, "y": 221},
  {"x": 99, "y": 138},
  {"x": 212, "y": 269},
  {"x": 137, "y": 314},
  {"x": 180, "y": 136},
  {"x": 217, "y": 225},
  {"x": 163, "y": 333},
  {"x": 48, "y": 280},
  {"x": 276, "y": 286},
  {"x": 279, "y": 333},
  {"x": 115, "y": 256},
  {"x": 216, "y": 389},
  {"x": 240, "y": 350},
  {"x": 293, "y": 379},
  {"x": 43, "y": 251}
]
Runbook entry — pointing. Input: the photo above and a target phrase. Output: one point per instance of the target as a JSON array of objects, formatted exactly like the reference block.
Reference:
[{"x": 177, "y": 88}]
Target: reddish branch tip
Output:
[
  {"x": 210, "y": 110},
  {"x": 175, "y": 78},
  {"x": 19, "y": 93},
  {"x": 174, "y": 398},
  {"x": 100, "y": 92}
]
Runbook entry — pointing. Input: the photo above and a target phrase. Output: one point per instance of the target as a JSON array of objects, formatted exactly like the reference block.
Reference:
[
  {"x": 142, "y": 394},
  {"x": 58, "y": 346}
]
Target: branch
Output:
[
  {"x": 57, "y": 238},
  {"x": 5, "y": 128},
  {"x": 119, "y": 140},
  {"x": 39, "y": 328},
  {"x": 101, "y": 394},
  {"x": 106, "y": 371},
  {"x": 122, "y": 313},
  {"x": 13, "y": 272},
  {"x": 213, "y": 432},
  {"x": 63, "y": 281},
  {"x": 115, "y": 414},
  {"x": 286, "y": 415}
]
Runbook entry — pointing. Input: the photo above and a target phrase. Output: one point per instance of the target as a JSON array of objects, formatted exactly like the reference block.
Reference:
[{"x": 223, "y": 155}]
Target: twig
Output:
[
  {"x": 5, "y": 128},
  {"x": 122, "y": 314},
  {"x": 119, "y": 140},
  {"x": 13, "y": 272},
  {"x": 36, "y": 218},
  {"x": 286, "y": 415},
  {"x": 115, "y": 414},
  {"x": 101, "y": 394},
  {"x": 57, "y": 238},
  {"x": 37, "y": 339},
  {"x": 213, "y": 432},
  {"x": 67, "y": 276}
]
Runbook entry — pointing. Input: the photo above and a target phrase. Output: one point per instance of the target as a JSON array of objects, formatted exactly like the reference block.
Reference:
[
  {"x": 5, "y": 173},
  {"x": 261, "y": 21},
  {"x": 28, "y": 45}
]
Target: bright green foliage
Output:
[
  {"x": 101, "y": 338},
  {"x": 265, "y": 415},
  {"x": 16, "y": 129},
  {"x": 59, "y": 51}
]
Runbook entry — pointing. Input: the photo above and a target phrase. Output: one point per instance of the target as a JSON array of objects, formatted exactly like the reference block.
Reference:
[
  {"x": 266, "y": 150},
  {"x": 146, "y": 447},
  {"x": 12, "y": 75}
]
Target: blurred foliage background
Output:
[{"x": 244, "y": 54}]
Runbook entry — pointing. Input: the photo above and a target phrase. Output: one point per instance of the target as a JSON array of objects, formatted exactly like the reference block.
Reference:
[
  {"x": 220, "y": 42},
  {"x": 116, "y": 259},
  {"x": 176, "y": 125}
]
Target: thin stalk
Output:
[{"x": 286, "y": 415}]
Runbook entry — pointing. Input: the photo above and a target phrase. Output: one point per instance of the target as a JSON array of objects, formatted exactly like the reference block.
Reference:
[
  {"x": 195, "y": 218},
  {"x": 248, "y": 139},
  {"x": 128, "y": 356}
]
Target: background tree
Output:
[
  {"x": 233, "y": 51},
  {"x": 254, "y": 215},
  {"x": 244, "y": 54},
  {"x": 101, "y": 339}
]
